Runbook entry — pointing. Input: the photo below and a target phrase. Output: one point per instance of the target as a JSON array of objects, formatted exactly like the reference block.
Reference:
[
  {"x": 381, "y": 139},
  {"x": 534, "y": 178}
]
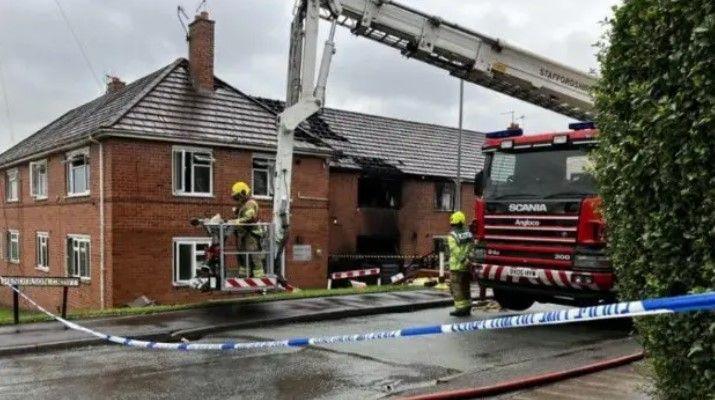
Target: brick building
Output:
[{"x": 105, "y": 192}]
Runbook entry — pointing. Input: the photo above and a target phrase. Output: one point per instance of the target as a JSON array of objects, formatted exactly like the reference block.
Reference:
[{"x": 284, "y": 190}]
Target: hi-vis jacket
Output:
[{"x": 460, "y": 243}]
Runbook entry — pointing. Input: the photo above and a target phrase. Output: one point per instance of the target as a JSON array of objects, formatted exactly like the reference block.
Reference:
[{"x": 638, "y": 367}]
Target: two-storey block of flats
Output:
[{"x": 106, "y": 191}]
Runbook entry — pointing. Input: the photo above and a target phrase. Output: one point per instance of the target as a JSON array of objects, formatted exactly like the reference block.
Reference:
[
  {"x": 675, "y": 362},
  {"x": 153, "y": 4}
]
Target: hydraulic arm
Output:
[
  {"x": 472, "y": 56},
  {"x": 305, "y": 96}
]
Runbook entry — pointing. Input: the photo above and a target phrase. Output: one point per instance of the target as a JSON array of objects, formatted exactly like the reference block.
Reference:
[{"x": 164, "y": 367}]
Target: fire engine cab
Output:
[{"x": 540, "y": 236}]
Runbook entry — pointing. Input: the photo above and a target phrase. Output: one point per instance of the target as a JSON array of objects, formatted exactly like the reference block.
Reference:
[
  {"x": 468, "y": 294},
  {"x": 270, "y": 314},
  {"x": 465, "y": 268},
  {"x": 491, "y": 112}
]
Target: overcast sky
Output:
[{"x": 43, "y": 73}]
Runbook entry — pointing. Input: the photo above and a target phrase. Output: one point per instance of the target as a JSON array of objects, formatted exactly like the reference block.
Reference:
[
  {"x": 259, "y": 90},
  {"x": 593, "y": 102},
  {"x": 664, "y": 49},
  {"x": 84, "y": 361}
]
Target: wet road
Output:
[{"x": 356, "y": 371}]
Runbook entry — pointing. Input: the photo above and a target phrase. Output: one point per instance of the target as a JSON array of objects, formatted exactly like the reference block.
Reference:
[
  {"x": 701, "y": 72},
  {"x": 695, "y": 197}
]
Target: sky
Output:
[{"x": 43, "y": 74}]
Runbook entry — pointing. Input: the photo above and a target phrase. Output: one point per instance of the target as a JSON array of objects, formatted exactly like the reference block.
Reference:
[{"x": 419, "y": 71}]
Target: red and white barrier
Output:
[
  {"x": 251, "y": 284},
  {"x": 358, "y": 273}
]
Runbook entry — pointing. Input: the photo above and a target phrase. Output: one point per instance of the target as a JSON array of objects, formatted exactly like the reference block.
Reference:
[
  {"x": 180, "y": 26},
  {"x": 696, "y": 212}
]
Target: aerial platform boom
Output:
[{"x": 472, "y": 56}]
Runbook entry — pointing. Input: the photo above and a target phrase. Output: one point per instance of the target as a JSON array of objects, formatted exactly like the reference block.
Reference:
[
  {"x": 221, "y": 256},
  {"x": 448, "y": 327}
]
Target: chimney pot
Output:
[
  {"x": 114, "y": 84},
  {"x": 201, "y": 53}
]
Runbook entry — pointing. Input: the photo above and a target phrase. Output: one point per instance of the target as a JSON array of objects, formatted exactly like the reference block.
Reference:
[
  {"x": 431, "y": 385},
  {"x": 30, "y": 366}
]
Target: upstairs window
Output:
[
  {"x": 192, "y": 171},
  {"x": 13, "y": 246},
  {"x": 12, "y": 186},
  {"x": 38, "y": 179},
  {"x": 78, "y": 256},
  {"x": 444, "y": 195},
  {"x": 263, "y": 173},
  {"x": 78, "y": 172}
]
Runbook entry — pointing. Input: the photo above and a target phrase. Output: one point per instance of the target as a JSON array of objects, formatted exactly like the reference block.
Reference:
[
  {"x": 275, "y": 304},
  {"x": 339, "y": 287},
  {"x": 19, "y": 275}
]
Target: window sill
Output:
[
  {"x": 200, "y": 195},
  {"x": 12, "y": 200},
  {"x": 262, "y": 197},
  {"x": 43, "y": 269},
  {"x": 16, "y": 262},
  {"x": 73, "y": 195},
  {"x": 40, "y": 198},
  {"x": 179, "y": 285}
]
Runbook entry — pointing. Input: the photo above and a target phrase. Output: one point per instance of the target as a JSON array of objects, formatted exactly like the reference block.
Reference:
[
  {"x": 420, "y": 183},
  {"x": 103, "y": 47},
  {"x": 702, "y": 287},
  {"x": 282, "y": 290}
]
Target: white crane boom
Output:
[
  {"x": 475, "y": 57},
  {"x": 466, "y": 54}
]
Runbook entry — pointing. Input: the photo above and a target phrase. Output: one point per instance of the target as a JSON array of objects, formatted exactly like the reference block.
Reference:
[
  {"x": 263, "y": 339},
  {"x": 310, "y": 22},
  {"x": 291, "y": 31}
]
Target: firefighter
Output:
[
  {"x": 460, "y": 243},
  {"x": 249, "y": 237}
]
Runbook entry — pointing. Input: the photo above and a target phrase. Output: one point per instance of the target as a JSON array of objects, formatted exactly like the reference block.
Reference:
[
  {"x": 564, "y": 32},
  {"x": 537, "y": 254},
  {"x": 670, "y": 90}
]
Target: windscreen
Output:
[{"x": 539, "y": 174}]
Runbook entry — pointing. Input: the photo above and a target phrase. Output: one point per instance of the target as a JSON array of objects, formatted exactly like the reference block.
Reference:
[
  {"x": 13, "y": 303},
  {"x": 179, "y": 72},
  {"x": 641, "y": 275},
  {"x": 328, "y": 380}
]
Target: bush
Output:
[{"x": 656, "y": 171}]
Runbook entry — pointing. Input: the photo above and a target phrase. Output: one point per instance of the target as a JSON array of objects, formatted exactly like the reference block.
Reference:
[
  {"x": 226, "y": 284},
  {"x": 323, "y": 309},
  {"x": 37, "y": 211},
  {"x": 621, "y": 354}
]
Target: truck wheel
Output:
[{"x": 512, "y": 300}]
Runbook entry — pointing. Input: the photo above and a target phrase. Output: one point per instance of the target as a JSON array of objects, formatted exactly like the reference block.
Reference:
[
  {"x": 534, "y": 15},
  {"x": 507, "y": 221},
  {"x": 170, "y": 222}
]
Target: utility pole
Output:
[{"x": 458, "y": 183}]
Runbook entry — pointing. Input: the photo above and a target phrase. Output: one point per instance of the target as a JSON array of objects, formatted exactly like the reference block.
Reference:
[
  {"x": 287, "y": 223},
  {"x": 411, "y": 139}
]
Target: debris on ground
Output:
[
  {"x": 358, "y": 284},
  {"x": 141, "y": 301}
]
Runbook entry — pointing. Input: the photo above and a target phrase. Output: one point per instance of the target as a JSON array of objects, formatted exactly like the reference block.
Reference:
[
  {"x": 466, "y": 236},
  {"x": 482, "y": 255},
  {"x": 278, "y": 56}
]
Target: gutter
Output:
[
  {"x": 104, "y": 133},
  {"x": 55, "y": 149},
  {"x": 325, "y": 153}
]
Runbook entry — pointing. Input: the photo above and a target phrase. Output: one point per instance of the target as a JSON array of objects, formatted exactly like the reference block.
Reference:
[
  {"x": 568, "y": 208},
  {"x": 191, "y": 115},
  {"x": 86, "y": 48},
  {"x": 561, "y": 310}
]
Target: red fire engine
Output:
[{"x": 540, "y": 236}]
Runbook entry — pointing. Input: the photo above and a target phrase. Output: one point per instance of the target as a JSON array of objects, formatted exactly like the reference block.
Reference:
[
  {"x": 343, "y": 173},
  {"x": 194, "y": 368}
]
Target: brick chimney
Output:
[
  {"x": 114, "y": 84},
  {"x": 201, "y": 53}
]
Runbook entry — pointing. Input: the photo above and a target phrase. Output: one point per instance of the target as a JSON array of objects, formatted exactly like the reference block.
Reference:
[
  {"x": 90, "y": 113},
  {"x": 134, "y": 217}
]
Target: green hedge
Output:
[{"x": 656, "y": 171}]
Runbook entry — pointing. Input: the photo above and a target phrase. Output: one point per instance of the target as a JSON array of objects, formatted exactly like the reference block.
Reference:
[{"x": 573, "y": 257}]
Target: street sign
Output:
[
  {"x": 40, "y": 281},
  {"x": 16, "y": 281}
]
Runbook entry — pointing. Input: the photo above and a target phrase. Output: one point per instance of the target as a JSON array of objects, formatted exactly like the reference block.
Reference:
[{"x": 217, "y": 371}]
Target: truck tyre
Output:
[{"x": 512, "y": 300}]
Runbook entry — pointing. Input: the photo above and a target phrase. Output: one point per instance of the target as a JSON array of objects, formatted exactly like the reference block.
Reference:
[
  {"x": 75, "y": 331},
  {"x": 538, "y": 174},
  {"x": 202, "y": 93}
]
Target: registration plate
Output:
[{"x": 522, "y": 273}]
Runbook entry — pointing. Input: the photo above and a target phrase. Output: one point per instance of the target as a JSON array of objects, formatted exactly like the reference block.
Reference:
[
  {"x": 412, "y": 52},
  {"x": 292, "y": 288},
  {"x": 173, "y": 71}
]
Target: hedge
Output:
[{"x": 656, "y": 172}]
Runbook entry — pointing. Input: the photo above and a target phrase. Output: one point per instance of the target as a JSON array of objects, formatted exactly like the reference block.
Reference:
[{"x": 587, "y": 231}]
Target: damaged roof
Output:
[
  {"x": 164, "y": 106},
  {"x": 374, "y": 143}
]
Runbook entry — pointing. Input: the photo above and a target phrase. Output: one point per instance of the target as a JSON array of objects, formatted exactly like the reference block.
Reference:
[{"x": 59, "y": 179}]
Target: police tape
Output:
[{"x": 665, "y": 305}]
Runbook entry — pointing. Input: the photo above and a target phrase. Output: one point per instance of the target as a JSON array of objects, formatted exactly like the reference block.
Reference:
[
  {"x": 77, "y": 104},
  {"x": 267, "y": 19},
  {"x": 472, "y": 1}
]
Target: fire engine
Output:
[{"x": 539, "y": 232}]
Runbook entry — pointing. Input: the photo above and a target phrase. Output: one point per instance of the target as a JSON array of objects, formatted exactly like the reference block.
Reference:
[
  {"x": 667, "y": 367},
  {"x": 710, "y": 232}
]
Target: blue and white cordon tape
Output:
[{"x": 665, "y": 305}]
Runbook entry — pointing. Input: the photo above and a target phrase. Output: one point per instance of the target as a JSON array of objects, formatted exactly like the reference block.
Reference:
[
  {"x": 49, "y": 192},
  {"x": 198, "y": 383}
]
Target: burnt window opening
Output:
[
  {"x": 379, "y": 192},
  {"x": 444, "y": 195}
]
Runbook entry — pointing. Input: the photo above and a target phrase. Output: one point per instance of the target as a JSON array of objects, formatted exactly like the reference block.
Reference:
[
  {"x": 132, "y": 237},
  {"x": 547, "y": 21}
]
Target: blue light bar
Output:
[
  {"x": 505, "y": 134},
  {"x": 577, "y": 126}
]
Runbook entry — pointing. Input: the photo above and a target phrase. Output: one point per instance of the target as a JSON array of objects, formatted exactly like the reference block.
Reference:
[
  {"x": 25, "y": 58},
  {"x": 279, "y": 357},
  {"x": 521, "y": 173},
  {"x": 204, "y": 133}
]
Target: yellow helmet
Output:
[
  {"x": 240, "y": 188},
  {"x": 457, "y": 218}
]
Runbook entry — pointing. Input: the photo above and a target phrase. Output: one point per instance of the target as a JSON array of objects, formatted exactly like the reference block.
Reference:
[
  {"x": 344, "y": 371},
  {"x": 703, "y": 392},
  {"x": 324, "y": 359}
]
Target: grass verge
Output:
[{"x": 27, "y": 316}]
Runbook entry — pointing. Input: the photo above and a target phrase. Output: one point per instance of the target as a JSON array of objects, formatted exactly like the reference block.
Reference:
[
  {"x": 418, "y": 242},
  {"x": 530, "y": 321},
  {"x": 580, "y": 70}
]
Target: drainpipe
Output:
[{"x": 102, "y": 270}]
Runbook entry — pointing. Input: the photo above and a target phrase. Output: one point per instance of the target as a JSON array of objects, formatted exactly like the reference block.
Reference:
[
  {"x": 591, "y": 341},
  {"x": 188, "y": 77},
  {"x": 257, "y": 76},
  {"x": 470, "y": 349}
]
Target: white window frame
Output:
[
  {"x": 78, "y": 241},
  {"x": 13, "y": 236},
  {"x": 270, "y": 172},
  {"x": 12, "y": 177},
  {"x": 178, "y": 177},
  {"x": 42, "y": 184},
  {"x": 70, "y": 156},
  {"x": 192, "y": 241},
  {"x": 42, "y": 240}
]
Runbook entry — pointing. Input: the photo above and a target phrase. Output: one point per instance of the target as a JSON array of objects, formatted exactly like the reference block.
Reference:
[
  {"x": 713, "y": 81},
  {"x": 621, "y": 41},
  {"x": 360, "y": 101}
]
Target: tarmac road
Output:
[{"x": 357, "y": 371}]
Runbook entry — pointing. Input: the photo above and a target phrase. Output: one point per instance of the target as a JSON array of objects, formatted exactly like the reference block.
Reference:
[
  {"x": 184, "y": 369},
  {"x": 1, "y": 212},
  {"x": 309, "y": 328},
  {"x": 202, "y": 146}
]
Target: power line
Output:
[
  {"x": 7, "y": 104},
  {"x": 79, "y": 45}
]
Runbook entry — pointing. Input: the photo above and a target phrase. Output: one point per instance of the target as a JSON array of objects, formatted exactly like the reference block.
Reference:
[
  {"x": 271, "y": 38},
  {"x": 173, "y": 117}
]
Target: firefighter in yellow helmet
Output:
[
  {"x": 460, "y": 243},
  {"x": 249, "y": 237}
]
